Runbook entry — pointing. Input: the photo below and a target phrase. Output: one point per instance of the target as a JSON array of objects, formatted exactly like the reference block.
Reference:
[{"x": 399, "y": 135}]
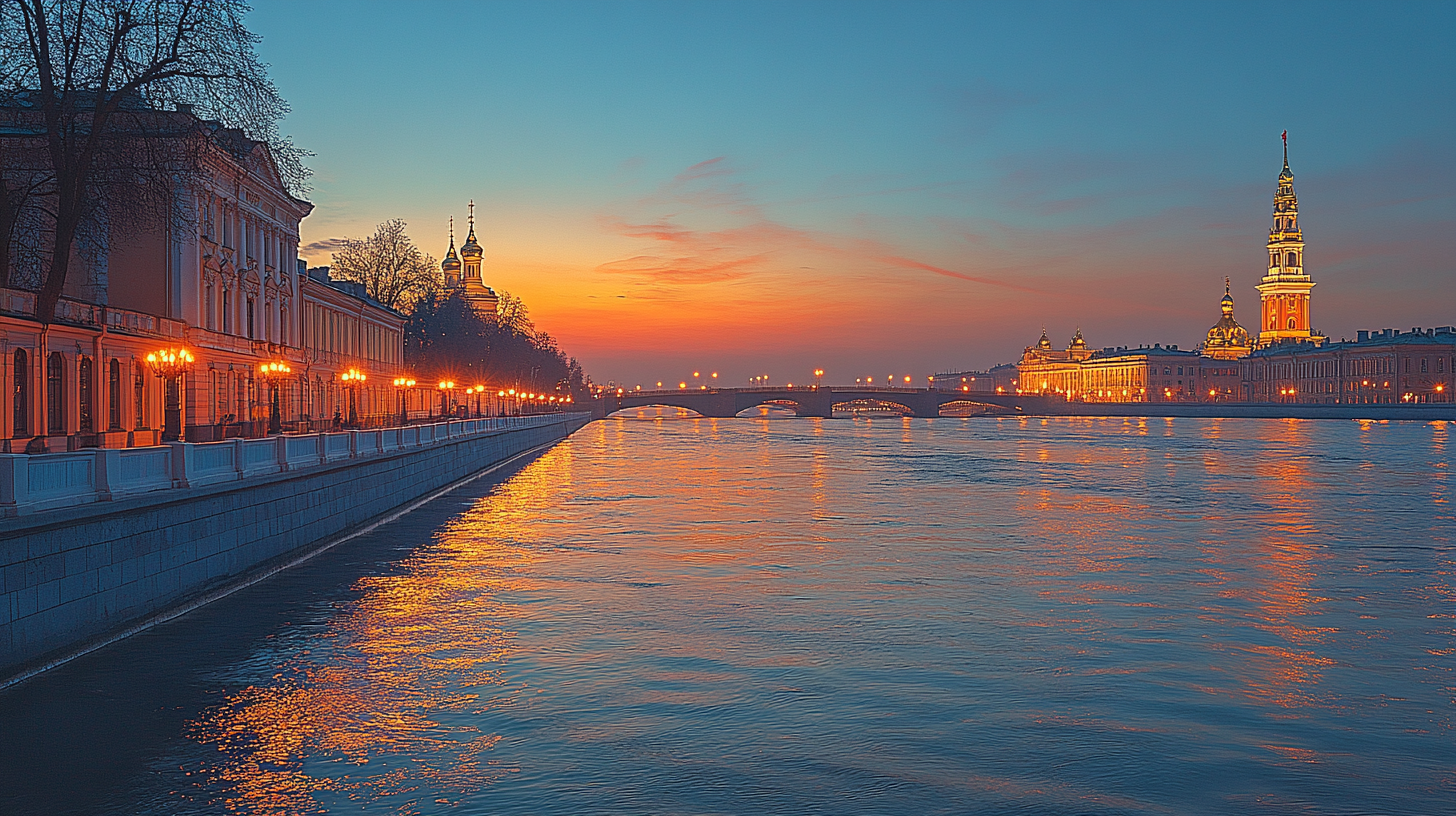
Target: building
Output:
[
  {"x": 1147, "y": 374},
  {"x": 1386, "y": 366},
  {"x": 462, "y": 272},
  {"x": 1227, "y": 340},
  {"x": 1285, "y": 288},
  {"x": 346, "y": 329},
  {"x": 221, "y": 279}
]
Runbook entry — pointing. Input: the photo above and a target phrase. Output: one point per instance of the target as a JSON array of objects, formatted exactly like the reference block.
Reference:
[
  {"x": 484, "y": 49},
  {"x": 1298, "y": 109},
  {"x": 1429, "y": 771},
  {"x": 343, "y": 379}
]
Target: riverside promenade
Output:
[{"x": 99, "y": 543}]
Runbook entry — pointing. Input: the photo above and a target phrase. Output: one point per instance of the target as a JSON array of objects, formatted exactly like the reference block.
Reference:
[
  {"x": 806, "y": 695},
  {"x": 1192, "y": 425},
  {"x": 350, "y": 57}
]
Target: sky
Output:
[{"x": 883, "y": 188}]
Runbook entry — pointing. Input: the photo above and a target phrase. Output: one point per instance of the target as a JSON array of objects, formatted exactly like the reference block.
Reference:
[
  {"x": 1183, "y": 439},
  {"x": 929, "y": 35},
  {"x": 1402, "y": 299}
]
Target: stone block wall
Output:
[{"x": 71, "y": 576}]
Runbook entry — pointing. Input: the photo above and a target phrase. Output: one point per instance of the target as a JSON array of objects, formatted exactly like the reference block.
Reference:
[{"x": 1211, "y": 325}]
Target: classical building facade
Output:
[
  {"x": 1387, "y": 366},
  {"x": 462, "y": 272},
  {"x": 221, "y": 280},
  {"x": 1285, "y": 288},
  {"x": 1148, "y": 374}
]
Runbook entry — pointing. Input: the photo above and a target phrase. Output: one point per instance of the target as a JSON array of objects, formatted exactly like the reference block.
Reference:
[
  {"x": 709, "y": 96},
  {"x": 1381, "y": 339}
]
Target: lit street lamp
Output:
[
  {"x": 351, "y": 380},
  {"x": 169, "y": 364},
  {"x": 446, "y": 386},
  {"x": 273, "y": 373},
  {"x": 400, "y": 385}
]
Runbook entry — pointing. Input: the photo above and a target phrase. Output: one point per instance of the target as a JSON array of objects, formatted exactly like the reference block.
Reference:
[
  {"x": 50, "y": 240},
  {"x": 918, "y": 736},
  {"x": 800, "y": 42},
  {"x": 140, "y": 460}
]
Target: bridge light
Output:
[
  {"x": 682, "y": 385},
  {"x": 696, "y": 374}
]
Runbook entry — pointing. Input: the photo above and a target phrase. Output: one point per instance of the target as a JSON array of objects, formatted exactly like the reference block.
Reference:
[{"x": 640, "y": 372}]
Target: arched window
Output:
[
  {"x": 250, "y": 316},
  {"x": 283, "y": 325},
  {"x": 21, "y": 372},
  {"x": 139, "y": 397},
  {"x": 1291, "y": 260},
  {"x": 113, "y": 396},
  {"x": 85, "y": 394},
  {"x": 1291, "y": 322},
  {"x": 56, "y": 394}
]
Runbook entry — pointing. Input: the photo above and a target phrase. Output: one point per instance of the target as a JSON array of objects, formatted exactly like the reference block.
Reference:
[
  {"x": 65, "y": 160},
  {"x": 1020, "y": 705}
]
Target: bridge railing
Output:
[{"x": 48, "y": 481}]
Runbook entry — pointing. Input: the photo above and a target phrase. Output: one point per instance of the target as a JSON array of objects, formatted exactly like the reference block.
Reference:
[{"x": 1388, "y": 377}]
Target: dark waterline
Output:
[{"x": 873, "y": 616}]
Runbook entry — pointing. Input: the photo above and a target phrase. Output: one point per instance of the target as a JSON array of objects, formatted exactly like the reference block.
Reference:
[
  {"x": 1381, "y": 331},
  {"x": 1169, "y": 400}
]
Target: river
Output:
[{"x": 867, "y": 616}]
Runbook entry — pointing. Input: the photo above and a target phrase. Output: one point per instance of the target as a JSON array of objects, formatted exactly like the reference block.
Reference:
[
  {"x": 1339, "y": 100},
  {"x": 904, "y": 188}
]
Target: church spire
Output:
[{"x": 1285, "y": 289}]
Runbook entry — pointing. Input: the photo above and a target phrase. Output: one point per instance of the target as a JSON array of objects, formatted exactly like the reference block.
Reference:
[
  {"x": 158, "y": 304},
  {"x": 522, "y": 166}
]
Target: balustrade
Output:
[{"x": 48, "y": 481}]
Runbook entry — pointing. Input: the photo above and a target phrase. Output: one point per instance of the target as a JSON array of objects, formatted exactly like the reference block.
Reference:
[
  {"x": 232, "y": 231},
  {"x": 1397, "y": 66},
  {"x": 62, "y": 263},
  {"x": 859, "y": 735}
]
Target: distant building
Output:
[
  {"x": 1227, "y": 340},
  {"x": 1285, "y": 289},
  {"x": 1378, "y": 367},
  {"x": 462, "y": 272},
  {"x": 1155, "y": 374}
]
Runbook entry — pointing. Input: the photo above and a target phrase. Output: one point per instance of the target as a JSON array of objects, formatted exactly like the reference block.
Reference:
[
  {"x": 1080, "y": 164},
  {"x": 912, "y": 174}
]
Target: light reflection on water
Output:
[{"x": 875, "y": 616}]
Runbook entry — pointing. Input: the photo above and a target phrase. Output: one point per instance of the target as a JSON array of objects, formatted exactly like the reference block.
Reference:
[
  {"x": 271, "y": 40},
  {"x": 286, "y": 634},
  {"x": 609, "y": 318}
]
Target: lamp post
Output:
[
  {"x": 446, "y": 386},
  {"x": 169, "y": 364},
  {"x": 400, "y": 384},
  {"x": 273, "y": 373},
  {"x": 351, "y": 380}
]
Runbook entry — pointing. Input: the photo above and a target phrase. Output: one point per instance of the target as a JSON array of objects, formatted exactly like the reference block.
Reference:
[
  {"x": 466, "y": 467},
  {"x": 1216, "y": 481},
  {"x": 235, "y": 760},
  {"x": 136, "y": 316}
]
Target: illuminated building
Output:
[
  {"x": 1284, "y": 291},
  {"x": 1378, "y": 367},
  {"x": 221, "y": 280},
  {"x": 1227, "y": 340},
  {"x": 1148, "y": 374},
  {"x": 462, "y": 272}
]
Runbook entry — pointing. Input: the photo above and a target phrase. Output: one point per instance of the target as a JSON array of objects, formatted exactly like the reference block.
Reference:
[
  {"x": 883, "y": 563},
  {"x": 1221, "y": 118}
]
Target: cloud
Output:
[
  {"x": 676, "y": 253},
  {"x": 324, "y": 247}
]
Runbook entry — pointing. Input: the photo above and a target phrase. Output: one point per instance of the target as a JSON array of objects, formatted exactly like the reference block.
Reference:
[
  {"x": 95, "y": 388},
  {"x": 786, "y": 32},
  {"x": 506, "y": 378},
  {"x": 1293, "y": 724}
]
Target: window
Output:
[
  {"x": 1180, "y": 371},
  {"x": 207, "y": 313},
  {"x": 85, "y": 395},
  {"x": 55, "y": 394},
  {"x": 139, "y": 397},
  {"x": 1291, "y": 260},
  {"x": 250, "y": 318},
  {"x": 113, "y": 382},
  {"x": 21, "y": 372},
  {"x": 1167, "y": 371},
  {"x": 1424, "y": 366},
  {"x": 283, "y": 325},
  {"x": 1291, "y": 322},
  {"x": 227, "y": 311}
]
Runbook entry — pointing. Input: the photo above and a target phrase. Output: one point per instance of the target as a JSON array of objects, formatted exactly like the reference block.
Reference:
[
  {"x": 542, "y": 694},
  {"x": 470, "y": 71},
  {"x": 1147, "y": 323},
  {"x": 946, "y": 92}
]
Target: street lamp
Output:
[
  {"x": 446, "y": 386},
  {"x": 351, "y": 380},
  {"x": 273, "y": 373},
  {"x": 400, "y": 384},
  {"x": 169, "y": 364}
]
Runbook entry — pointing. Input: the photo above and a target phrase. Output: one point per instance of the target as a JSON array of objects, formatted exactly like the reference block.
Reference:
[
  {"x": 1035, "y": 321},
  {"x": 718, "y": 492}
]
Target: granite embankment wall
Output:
[
  {"x": 77, "y": 575},
  {"x": 1422, "y": 412}
]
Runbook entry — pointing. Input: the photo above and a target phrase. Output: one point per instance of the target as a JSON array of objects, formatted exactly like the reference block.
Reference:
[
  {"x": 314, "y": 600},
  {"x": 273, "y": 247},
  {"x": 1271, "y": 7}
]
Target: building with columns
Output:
[{"x": 220, "y": 279}]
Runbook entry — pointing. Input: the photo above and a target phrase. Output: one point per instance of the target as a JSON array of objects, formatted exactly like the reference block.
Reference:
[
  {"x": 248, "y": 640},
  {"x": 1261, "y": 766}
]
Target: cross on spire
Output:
[
  {"x": 452, "y": 230},
  {"x": 472, "y": 201}
]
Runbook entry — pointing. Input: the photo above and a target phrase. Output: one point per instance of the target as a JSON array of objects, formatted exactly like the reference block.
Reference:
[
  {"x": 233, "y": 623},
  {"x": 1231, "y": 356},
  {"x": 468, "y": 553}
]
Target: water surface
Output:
[{"x": 883, "y": 616}]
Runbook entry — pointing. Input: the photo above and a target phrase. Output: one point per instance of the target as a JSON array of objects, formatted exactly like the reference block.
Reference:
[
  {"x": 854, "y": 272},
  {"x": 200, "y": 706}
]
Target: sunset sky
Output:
[{"x": 877, "y": 188}]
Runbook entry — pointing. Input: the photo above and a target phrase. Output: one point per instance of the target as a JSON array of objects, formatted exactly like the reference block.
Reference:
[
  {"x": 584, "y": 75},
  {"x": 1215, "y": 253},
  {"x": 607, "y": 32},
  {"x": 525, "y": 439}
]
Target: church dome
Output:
[{"x": 1227, "y": 339}]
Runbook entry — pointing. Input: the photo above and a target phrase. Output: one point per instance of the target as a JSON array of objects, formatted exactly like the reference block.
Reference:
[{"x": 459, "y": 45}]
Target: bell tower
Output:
[{"x": 1284, "y": 289}]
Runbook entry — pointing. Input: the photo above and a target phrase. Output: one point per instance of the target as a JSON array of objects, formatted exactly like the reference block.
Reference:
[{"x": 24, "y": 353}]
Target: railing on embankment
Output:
[
  {"x": 108, "y": 540},
  {"x": 30, "y": 484}
]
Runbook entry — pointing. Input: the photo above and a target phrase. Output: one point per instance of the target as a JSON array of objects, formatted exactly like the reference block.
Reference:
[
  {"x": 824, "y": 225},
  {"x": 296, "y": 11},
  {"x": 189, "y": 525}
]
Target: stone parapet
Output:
[{"x": 161, "y": 527}]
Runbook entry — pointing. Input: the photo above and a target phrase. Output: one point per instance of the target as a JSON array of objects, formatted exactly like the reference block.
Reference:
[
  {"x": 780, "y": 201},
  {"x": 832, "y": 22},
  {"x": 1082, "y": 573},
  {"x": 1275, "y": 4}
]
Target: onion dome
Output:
[
  {"x": 1227, "y": 339},
  {"x": 1045, "y": 342},
  {"x": 471, "y": 248},
  {"x": 1077, "y": 341}
]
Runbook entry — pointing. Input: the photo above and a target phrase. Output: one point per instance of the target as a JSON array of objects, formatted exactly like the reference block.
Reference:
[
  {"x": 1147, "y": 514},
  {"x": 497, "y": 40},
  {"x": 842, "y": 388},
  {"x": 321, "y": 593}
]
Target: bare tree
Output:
[
  {"x": 393, "y": 270},
  {"x": 95, "y": 74},
  {"x": 511, "y": 315}
]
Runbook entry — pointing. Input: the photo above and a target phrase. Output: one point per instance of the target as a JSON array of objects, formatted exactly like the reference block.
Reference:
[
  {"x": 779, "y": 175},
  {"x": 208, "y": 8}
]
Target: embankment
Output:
[{"x": 75, "y": 576}]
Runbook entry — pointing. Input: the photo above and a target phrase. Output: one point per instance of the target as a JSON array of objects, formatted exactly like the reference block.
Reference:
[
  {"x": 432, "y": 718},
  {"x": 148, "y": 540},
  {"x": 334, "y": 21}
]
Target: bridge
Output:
[{"x": 822, "y": 401}]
